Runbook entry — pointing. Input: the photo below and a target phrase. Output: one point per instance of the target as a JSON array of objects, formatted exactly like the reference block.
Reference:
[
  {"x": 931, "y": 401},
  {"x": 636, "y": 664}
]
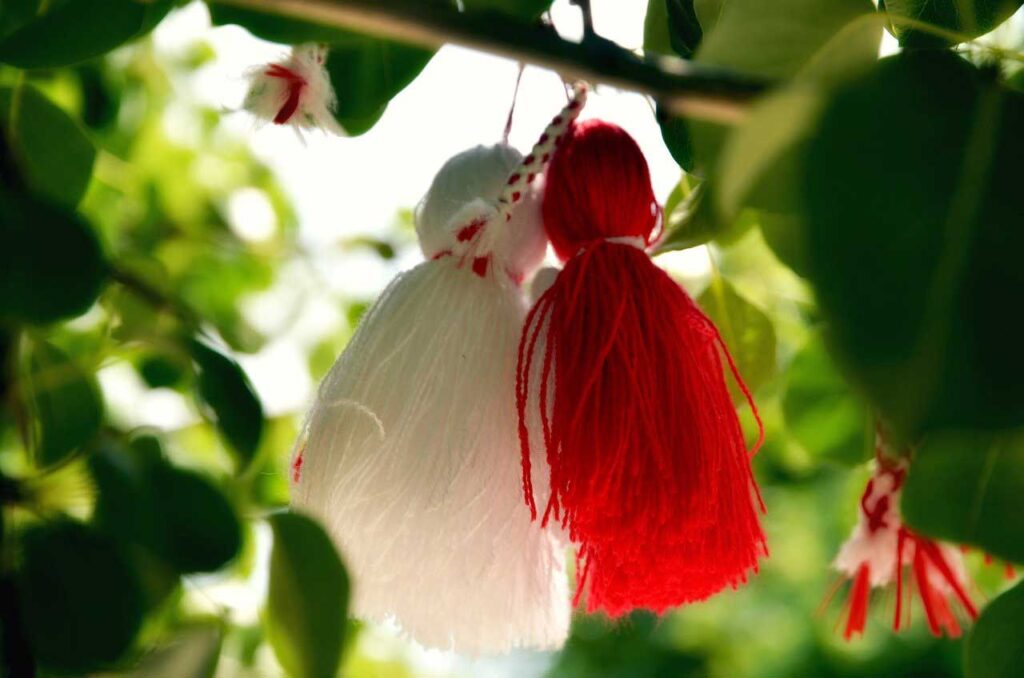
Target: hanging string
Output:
[{"x": 512, "y": 106}]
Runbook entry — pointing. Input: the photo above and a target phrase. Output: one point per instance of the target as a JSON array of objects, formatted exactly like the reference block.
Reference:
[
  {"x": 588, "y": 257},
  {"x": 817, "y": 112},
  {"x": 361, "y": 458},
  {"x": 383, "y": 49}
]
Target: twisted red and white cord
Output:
[{"x": 533, "y": 164}]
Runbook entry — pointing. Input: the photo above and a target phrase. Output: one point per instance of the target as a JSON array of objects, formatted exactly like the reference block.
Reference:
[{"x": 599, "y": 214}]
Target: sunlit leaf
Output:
[
  {"x": 967, "y": 488},
  {"x": 236, "y": 410},
  {"x": 77, "y": 30},
  {"x": 51, "y": 265},
  {"x": 53, "y": 153},
  {"x": 995, "y": 648},
  {"x": 66, "y": 403},
  {"x": 913, "y": 240},
  {"x": 80, "y": 600},
  {"x": 746, "y": 330},
  {"x": 822, "y": 413},
  {"x": 308, "y": 598}
]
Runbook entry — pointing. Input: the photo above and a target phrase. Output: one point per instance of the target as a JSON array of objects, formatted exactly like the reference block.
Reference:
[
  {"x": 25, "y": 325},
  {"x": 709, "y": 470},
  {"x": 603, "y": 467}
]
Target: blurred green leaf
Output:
[
  {"x": 775, "y": 40},
  {"x": 51, "y": 265},
  {"x": 821, "y": 411},
  {"x": 80, "y": 600},
  {"x": 522, "y": 9},
  {"x": 225, "y": 389},
  {"x": 161, "y": 370},
  {"x": 678, "y": 138},
  {"x": 689, "y": 221},
  {"x": 995, "y": 648},
  {"x": 178, "y": 515},
  {"x": 77, "y": 30},
  {"x": 635, "y": 647},
  {"x": 196, "y": 527},
  {"x": 671, "y": 27},
  {"x": 16, "y": 13},
  {"x": 746, "y": 330},
  {"x": 53, "y": 152},
  {"x": 307, "y": 601},
  {"x": 966, "y": 488},
  {"x": 913, "y": 240},
  {"x": 193, "y": 652},
  {"x": 968, "y": 18},
  {"x": 66, "y": 403},
  {"x": 771, "y": 40},
  {"x": 366, "y": 72}
]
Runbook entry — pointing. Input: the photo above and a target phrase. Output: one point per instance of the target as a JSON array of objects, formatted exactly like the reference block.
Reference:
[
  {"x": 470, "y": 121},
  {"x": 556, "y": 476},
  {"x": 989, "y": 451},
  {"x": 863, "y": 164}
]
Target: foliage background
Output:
[{"x": 175, "y": 283}]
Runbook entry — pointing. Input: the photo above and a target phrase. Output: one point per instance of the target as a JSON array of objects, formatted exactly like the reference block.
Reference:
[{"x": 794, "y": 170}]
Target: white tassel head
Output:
[
  {"x": 295, "y": 91},
  {"x": 463, "y": 196}
]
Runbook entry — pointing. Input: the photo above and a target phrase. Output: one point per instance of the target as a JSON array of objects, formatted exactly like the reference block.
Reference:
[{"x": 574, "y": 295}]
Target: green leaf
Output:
[
  {"x": 913, "y": 240},
  {"x": 776, "y": 39},
  {"x": 366, "y": 72},
  {"x": 678, "y": 138},
  {"x": 179, "y": 516},
  {"x": 995, "y": 648},
  {"x": 773, "y": 40},
  {"x": 656, "y": 32},
  {"x": 51, "y": 265},
  {"x": 77, "y": 30},
  {"x": 522, "y": 9},
  {"x": 162, "y": 370},
  {"x": 822, "y": 413},
  {"x": 236, "y": 410},
  {"x": 274, "y": 27},
  {"x": 966, "y": 488},
  {"x": 671, "y": 27},
  {"x": 761, "y": 164},
  {"x": 65, "y": 401},
  {"x": 966, "y": 18},
  {"x": 193, "y": 652},
  {"x": 689, "y": 219},
  {"x": 53, "y": 152},
  {"x": 16, "y": 13},
  {"x": 196, "y": 527},
  {"x": 307, "y": 601},
  {"x": 81, "y": 603},
  {"x": 746, "y": 330}
]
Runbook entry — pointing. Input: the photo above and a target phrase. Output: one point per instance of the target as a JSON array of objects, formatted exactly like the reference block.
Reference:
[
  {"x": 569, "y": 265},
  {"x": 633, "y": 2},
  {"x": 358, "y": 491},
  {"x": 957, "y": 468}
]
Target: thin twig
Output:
[{"x": 682, "y": 87}]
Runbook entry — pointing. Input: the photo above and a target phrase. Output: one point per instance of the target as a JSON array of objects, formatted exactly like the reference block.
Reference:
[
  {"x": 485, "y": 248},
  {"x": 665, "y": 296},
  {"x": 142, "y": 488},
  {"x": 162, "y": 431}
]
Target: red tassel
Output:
[{"x": 649, "y": 470}]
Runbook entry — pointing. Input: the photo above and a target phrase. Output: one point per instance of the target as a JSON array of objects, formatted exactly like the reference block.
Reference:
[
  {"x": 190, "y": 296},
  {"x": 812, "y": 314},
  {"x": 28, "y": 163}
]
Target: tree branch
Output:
[{"x": 681, "y": 87}]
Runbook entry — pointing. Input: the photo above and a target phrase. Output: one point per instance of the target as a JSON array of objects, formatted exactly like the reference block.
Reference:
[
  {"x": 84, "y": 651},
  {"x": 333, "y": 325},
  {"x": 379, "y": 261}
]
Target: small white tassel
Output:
[
  {"x": 296, "y": 91},
  {"x": 410, "y": 453}
]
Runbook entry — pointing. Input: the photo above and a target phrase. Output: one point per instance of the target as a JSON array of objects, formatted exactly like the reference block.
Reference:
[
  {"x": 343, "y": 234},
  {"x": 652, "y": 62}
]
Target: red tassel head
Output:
[
  {"x": 603, "y": 189},
  {"x": 621, "y": 385}
]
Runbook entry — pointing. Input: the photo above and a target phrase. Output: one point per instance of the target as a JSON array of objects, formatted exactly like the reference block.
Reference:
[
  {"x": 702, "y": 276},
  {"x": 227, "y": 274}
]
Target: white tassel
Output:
[
  {"x": 411, "y": 455},
  {"x": 296, "y": 91}
]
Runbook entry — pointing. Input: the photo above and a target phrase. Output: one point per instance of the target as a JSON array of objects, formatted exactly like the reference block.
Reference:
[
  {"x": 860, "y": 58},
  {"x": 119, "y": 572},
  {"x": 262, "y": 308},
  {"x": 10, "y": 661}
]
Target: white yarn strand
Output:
[{"x": 411, "y": 456}]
